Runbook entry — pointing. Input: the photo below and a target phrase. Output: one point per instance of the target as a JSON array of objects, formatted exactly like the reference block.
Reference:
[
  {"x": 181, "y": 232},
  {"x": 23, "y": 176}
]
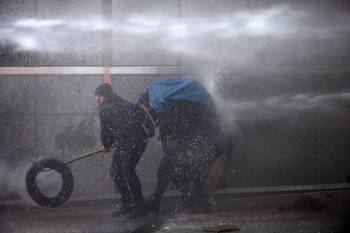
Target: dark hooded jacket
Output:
[{"x": 122, "y": 123}]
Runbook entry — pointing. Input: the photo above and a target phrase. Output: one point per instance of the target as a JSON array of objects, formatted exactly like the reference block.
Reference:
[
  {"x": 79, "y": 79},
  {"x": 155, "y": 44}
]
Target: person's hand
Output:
[{"x": 107, "y": 149}]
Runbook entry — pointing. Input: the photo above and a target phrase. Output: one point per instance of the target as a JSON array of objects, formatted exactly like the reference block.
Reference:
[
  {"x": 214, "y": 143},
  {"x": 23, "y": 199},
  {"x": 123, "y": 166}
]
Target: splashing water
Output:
[
  {"x": 12, "y": 180},
  {"x": 223, "y": 38}
]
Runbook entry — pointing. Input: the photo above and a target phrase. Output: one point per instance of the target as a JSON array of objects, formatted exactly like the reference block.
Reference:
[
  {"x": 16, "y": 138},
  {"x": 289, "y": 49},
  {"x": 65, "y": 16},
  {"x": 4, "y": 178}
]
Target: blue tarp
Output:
[{"x": 164, "y": 94}]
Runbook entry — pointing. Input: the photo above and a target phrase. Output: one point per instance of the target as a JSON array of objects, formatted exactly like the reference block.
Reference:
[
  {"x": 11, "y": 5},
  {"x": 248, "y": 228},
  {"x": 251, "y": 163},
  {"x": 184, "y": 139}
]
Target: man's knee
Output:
[
  {"x": 126, "y": 169},
  {"x": 114, "y": 172}
]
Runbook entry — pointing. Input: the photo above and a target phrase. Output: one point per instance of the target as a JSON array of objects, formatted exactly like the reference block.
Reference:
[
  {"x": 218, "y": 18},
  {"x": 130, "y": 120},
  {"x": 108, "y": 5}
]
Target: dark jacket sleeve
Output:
[{"x": 106, "y": 129}]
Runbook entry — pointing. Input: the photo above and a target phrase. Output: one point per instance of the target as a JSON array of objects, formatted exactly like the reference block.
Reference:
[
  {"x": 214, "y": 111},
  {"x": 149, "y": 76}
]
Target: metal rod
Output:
[{"x": 85, "y": 156}]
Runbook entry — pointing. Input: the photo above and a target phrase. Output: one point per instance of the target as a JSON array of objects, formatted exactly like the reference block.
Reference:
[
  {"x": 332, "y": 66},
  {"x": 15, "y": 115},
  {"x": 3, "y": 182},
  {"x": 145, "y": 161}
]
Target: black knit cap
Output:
[{"x": 104, "y": 89}]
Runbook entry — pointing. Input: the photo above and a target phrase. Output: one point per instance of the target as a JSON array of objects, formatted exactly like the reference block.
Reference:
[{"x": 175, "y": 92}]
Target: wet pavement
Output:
[{"x": 328, "y": 212}]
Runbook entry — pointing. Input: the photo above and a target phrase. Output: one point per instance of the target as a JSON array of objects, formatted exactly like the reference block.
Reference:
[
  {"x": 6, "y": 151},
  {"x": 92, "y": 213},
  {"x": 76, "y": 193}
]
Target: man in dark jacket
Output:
[{"x": 124, "y": 127}]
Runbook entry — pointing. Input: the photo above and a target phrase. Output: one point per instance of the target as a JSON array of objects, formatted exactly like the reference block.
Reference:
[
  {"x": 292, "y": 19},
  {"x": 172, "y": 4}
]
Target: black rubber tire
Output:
[{"x": 67, "y": 182}]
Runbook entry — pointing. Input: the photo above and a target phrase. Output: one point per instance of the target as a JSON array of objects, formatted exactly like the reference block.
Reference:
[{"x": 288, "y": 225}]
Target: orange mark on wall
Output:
[{"x": 107, "y": 78}]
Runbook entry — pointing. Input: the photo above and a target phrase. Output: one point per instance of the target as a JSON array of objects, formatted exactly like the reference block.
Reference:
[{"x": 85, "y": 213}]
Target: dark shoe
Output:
[
  {"x": 204, "y": 205},
  {"x": 138, "y": 212},
  {"x": 121, "y": 210},
  {"x": 153, "y": 204}
]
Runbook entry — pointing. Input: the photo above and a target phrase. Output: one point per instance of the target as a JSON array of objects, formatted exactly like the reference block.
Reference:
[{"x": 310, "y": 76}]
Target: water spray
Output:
[{"x": 222, "y": 38}]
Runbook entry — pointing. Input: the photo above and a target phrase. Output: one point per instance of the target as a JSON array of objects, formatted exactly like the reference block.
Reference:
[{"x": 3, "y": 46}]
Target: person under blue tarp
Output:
[{"x": 185, "y": 115}]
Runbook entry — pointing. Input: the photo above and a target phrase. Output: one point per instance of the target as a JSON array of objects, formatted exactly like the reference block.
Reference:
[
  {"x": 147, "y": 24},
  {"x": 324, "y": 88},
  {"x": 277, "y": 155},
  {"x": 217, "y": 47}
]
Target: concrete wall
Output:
[{"x": 287, "y": 104}]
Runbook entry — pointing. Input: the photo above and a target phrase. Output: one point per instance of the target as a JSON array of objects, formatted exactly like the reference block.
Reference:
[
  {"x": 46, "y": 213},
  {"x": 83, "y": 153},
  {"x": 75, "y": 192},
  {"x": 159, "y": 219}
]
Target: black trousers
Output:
[{"x": 124, "y": 175}]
